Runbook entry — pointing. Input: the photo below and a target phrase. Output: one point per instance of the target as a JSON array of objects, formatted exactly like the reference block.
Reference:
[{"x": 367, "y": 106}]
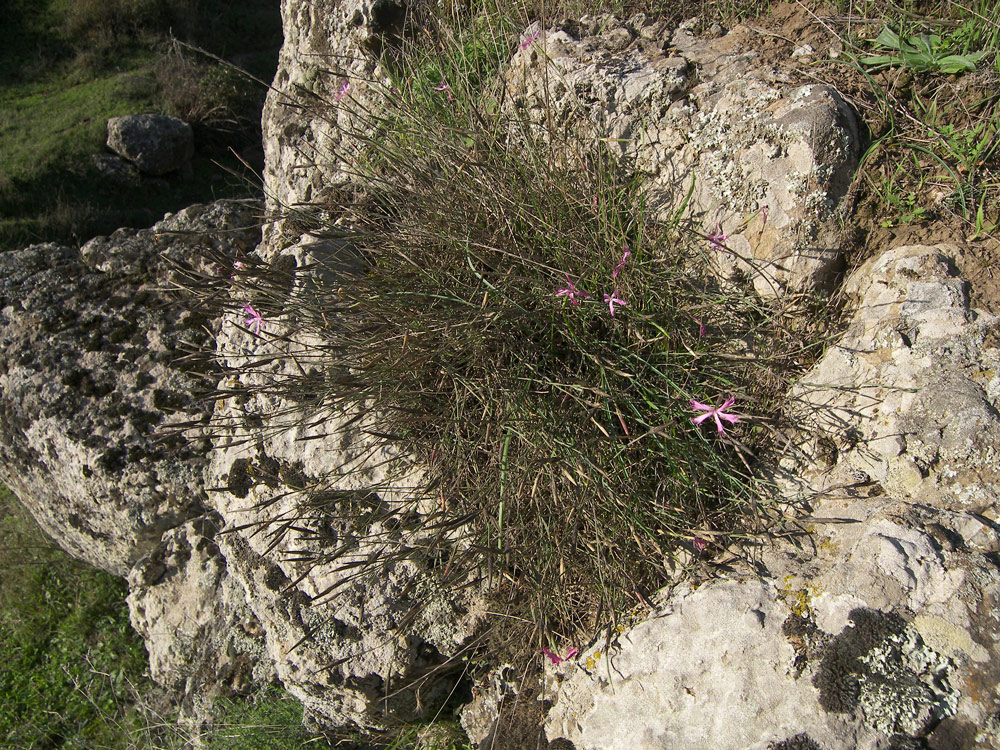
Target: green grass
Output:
[
  {"x": 927, "y": 78},
  {"x": 68, "y": 656},
  {"x": 66, "y": 67}
]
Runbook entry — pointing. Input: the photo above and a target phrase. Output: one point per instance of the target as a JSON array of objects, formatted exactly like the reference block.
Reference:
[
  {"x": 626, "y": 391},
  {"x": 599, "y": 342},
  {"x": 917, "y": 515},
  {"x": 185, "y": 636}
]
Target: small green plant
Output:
[{"x": 920, "y": 52}]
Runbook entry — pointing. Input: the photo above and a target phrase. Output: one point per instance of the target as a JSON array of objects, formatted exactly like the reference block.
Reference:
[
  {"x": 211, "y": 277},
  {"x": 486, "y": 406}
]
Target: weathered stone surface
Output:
[
  {"x": 327, "y": 44},
  {"x": 203, "y": 640},
  {"x": 325, "y": 526},
  {"x": 90, "y": 384},
  {"x": 156, "y": 144},
  {"x": 86, "y": 384},
  {"x": 769, "y": 160},
  {"x": 882, "y": 623}
]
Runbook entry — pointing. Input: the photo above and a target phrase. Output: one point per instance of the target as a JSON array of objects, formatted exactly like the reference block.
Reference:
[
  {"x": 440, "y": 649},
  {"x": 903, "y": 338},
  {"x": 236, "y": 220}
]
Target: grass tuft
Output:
[{"x": 558, "y": 436}]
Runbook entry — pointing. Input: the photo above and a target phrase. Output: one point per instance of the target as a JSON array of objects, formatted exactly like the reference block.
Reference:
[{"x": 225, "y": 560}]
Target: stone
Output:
[
  {"x": 203, "y": 640},
  {"x": 766, "y": 162},
  {"x": 328, "y": 529},
  {"x": 308, "y": 116},
  {"x": 94, "y": 397},
  {"x": 116, "y": 170},
  {"x": 879, "y": 624},
  {"x": 156, "y": 144}
]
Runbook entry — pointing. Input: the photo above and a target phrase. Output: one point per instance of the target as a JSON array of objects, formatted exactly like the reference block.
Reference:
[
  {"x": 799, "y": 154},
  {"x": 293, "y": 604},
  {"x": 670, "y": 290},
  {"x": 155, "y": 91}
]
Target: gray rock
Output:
[
  {"x": 117, "y": 171},
  {"x": 308, "y": 117},
  {"x": 203, "y": 640},
  {"x": 879, "y": 622},
  {"x": 92, "y": 399},
  {"x": 156, "y": 144},
  {"x": 704, "y": 111},
  {"x": 327, "y": 528}
]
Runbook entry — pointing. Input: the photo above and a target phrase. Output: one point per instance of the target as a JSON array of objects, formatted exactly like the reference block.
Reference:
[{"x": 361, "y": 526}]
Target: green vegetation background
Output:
[{"x": 66, "y": 66}]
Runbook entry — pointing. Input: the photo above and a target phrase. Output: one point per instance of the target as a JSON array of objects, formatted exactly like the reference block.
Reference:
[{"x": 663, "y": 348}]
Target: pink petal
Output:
[
  {"x": 557, "y": 660},
  {"x": 571, "y": 653},
  {"x": 700, "y": 419},
  {"x": 729, "y": 402},
  {"x": 731, "y": 418},
  {"x": 716, "y": 415},
  {"x": 702, "y": 407}
]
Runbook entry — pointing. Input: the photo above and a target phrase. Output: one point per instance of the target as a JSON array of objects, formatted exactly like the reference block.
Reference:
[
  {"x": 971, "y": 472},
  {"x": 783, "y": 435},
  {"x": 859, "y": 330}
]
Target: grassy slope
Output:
[{"x": 59, "y": 83}]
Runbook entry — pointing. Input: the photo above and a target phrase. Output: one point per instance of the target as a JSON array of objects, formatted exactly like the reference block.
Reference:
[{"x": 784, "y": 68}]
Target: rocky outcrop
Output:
[
  {"x": 89, "y": 385},
  {"x": 93, "y": 391},
  {"x": 878, "y": 623},
  {"x": 329, "y": 529},
  {"x": 155, "y": 144},
  {"x": 282, "y": 539},
  {"x": 748, "y": 153},
  {"x": 326, "y": 70}
]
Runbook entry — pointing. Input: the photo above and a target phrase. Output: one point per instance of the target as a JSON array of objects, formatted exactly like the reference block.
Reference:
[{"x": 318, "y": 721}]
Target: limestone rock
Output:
[
  {"x": 156, "y": 144},
  {"x": 116, "y": 170},
  {"x": 92, "y": 393},
  {"x": 769, "y": 161},
  {"x": 203, "y": 640},
  {"x": 88, "y": 384},
  {"x": 327, "y": 529},
  {"x": 327, "y": 44},
  {"x": 879, "y": 623}
]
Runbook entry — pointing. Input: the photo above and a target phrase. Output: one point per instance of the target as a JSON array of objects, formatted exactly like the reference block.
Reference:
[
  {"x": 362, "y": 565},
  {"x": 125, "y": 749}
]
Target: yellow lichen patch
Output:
[
  {"x": 593, "y": 659},
  {"x": 797, "y": 599}
]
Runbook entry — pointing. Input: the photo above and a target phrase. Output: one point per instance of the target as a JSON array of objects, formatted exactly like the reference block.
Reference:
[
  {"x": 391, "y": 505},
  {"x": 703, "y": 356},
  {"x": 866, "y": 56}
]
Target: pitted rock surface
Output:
[
  {"x": 203, "y": 640},
  {"x": 324, "y": 525},
  {"x": 767, "y": 162},
  {"x": 91, "y": 390},
  {"x": 878, "y": 624},
  {"x": 327, "y": 44}
]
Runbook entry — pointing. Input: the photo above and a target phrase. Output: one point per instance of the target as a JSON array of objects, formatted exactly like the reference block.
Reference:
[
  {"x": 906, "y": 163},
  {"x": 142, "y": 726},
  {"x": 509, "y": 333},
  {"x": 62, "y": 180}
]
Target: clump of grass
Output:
[{"x": 513, "y": 317}]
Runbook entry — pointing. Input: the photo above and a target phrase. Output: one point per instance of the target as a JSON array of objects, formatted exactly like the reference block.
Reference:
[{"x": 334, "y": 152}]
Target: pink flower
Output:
[
  {"x": 701, "y": 330},
  {"x": 343, "y": 91},
  {"x": 254, "y": 320},
  {"x": 528, "y": 40},
  {"x": 763, "y": 213},
  {"x": 556, "y": 659},
  {"x": 700, "y": 544},
  {"x": 444, "y": 87},
  {"x": 621, "y": 265},
  {"x": 572, "y": 292},
  {"x": 718, "y": 413},
  {"x": 613, "y": 299},
  {"x": 716, "y": 240}
]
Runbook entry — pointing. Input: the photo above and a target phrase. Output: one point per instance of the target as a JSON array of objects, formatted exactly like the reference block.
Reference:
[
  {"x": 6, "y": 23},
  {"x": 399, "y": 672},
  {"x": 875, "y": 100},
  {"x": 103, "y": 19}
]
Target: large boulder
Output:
[
  {"x": 748, "y": 151},
  {"x": 156, "y": 144},
  {"x": 878, "y": 624},
  {"x": 329, "y": 529},
  {"x": 94, "y": 396},
  {"x": 89, "y": 387}
]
